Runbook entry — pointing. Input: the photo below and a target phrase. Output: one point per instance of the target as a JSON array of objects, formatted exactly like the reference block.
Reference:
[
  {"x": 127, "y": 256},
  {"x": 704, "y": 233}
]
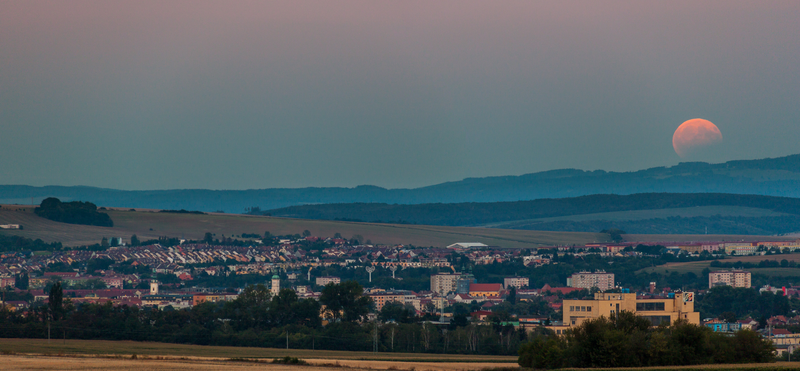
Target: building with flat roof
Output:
[
  {"x": 444, "y": 283},
  {"x": 735, "y": 278},
  {"x": 657, "y": 310},
  {"x": 518, "y": 282},
  {"x": 325, "y": 280},
  {"x": 587, "y": 280}
]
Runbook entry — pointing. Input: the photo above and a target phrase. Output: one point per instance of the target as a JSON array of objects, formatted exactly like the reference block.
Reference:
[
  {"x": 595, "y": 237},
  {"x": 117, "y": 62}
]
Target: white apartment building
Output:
[
  {"x": 323, "y": 281},
  {"x": 587, "y": 280},
  {"x": 444, "y": 283},
  {"x": 518, "y": 282},
  {"x": 734, "y": 278}
]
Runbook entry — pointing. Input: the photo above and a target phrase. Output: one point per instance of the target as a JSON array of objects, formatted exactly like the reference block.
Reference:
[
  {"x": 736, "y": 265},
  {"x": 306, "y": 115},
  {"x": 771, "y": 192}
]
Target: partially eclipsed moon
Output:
[{"x": 694, "y": 135}]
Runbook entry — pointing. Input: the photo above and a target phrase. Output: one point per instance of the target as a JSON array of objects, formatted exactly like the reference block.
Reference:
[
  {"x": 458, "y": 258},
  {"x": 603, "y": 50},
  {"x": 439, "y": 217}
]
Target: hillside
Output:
[
  {"x": 650, "y": 213},
  {"x": 773, "y": 177},
  {"x": 150, "y": 225}
]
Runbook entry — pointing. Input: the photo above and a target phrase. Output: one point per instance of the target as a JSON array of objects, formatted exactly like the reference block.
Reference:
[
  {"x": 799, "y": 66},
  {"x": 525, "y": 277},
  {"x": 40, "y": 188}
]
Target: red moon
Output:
[{"x": 693, "y": 135}]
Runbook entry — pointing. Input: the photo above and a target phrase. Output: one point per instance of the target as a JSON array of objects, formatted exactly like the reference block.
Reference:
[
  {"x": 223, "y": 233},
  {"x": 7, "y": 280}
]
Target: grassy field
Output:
[
  {"x": 149, "y": 225},
  {"x": 57, "y": 346},
  {"x": 684, "y": 212},
  {"x": 697, "y": 267}
]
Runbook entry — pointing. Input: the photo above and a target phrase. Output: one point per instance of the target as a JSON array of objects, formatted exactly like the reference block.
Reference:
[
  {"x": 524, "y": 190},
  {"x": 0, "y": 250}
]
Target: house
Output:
[{"x": 718, "y": 325}]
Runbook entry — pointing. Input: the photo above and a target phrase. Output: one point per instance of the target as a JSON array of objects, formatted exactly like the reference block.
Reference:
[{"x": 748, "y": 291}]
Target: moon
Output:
[{"x": 695, "y": 135}]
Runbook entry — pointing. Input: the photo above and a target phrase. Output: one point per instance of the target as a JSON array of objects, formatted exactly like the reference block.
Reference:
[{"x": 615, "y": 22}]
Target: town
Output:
[{"x": 190, "y": 273}]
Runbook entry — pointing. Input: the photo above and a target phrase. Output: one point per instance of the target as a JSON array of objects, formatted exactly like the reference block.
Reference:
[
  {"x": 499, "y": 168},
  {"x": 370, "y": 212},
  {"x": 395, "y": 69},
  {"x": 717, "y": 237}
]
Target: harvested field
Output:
[
  {"x": 151, "y": 225},
  {"x": 128, "y": 348}
]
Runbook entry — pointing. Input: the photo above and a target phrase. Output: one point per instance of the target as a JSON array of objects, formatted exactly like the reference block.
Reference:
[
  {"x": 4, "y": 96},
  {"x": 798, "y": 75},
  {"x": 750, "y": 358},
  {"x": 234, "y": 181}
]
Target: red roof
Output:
[
  {"x": 485, "y": 286},
  {"x": 781, "y": 331}
]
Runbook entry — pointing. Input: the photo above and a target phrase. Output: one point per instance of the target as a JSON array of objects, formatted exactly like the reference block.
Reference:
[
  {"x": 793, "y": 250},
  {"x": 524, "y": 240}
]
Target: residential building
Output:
[
  {"x": 324, "y": 281},
  {"x": 518, "y": 282},
  {"x": 741, "y": 248},
  {"x": 444, "y": 283},
  {"x": 657, "y": 310},
  {"x": 718, "y": 325},
  {"x": 735, "y": 278},
  {"x": 382, "y": 298},
  {"x": 587, "y": 280}
]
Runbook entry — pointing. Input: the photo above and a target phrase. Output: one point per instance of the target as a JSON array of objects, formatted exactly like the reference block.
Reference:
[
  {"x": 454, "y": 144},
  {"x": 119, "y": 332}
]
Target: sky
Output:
[{"x": 262, "y": 94}]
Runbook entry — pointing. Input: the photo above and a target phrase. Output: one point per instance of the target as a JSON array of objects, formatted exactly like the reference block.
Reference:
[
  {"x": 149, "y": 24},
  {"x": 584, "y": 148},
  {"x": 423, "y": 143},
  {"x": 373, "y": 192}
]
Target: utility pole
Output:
[{"x": 287, "y": 339}]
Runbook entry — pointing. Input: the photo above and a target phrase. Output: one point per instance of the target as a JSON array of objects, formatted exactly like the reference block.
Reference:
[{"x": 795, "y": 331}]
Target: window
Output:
[
  {"x": 588, "y": 309},
  {"x": 571, "y": 308},
  {"x": 649, "y": 306},
  {"x": 657, "y": 320}
]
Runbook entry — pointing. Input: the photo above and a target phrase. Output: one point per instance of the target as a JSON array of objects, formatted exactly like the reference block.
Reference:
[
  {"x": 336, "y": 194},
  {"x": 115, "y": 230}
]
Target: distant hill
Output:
[
  {"x": 771, "y": 177},
  {"x": 647, "y": 213}
]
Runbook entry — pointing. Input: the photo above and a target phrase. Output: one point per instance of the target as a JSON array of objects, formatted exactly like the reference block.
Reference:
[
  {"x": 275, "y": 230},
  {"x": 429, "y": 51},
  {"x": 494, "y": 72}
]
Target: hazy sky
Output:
[{"x": 260, "y": 94}]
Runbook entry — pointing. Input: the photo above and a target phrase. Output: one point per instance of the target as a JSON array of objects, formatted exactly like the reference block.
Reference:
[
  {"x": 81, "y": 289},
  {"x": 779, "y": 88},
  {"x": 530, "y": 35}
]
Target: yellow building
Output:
[{"x": 656, "y": 310}]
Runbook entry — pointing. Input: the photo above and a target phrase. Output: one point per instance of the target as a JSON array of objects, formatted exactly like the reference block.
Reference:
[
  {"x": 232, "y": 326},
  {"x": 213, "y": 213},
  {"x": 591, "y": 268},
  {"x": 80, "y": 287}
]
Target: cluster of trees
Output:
[
  {"x": 75, "y": 212},
  {"x": 783, "y": 263},
  {"x": 258, "y": 319},
  {"x": 18, "y": 243},
  {"x": 739, "y": 302},
  {"x": 627, "y": 340}
]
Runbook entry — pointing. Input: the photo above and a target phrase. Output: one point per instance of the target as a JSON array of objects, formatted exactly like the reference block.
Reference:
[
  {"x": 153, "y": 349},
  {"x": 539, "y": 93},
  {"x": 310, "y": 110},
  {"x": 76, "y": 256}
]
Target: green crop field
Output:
[{"x": 150, "y": 225}]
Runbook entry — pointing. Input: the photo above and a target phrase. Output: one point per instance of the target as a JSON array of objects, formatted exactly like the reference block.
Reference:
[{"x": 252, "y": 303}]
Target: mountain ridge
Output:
[{"x": 778, "y": 176}]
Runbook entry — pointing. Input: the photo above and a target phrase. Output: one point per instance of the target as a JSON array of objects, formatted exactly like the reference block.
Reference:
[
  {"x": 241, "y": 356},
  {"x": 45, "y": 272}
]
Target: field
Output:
[
  {"x": 684, "y": 212},
  {"x": 149, "y": 225},
  {"x": 214, "y": 357},
  {"x": 16, "y": 354},
  {"x": 697, "y": 267}
]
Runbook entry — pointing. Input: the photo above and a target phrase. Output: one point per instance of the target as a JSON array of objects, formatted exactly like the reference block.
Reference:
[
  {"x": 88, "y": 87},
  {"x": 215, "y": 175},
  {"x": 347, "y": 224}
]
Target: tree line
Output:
[
  {"x": 627, "y": 340},
  {"x": 256, "y": 318}
]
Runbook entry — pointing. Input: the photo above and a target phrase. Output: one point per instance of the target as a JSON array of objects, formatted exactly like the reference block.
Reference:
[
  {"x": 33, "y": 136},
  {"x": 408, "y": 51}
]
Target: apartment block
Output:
[
  {"x": 518, "y": 282},
  {"x": 587, "y": 280},
  {"x": 322, "y": 281},
  {"x": 444, "y": 283},
  {"x": 735, "y": 278}
]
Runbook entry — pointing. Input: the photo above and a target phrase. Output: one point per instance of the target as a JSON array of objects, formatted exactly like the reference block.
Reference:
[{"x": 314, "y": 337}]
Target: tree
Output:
[
  {"x": 512, "y": 295},
  {"x": 104, "y": 243},
  {"x": 208, "y": 238},
  {"x": 306, "y": 233},
  {"x": 345, "y": 301},
  {"x": 337, "y": 235},
  {"x": 614, "y": 234},
  {"x": 135, "y": 240},
  {"x": 56, "y": 301}
]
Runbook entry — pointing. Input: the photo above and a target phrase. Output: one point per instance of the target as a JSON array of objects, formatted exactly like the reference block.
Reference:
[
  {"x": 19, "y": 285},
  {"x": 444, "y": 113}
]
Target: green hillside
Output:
[{"x": 646, "y": 213}]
